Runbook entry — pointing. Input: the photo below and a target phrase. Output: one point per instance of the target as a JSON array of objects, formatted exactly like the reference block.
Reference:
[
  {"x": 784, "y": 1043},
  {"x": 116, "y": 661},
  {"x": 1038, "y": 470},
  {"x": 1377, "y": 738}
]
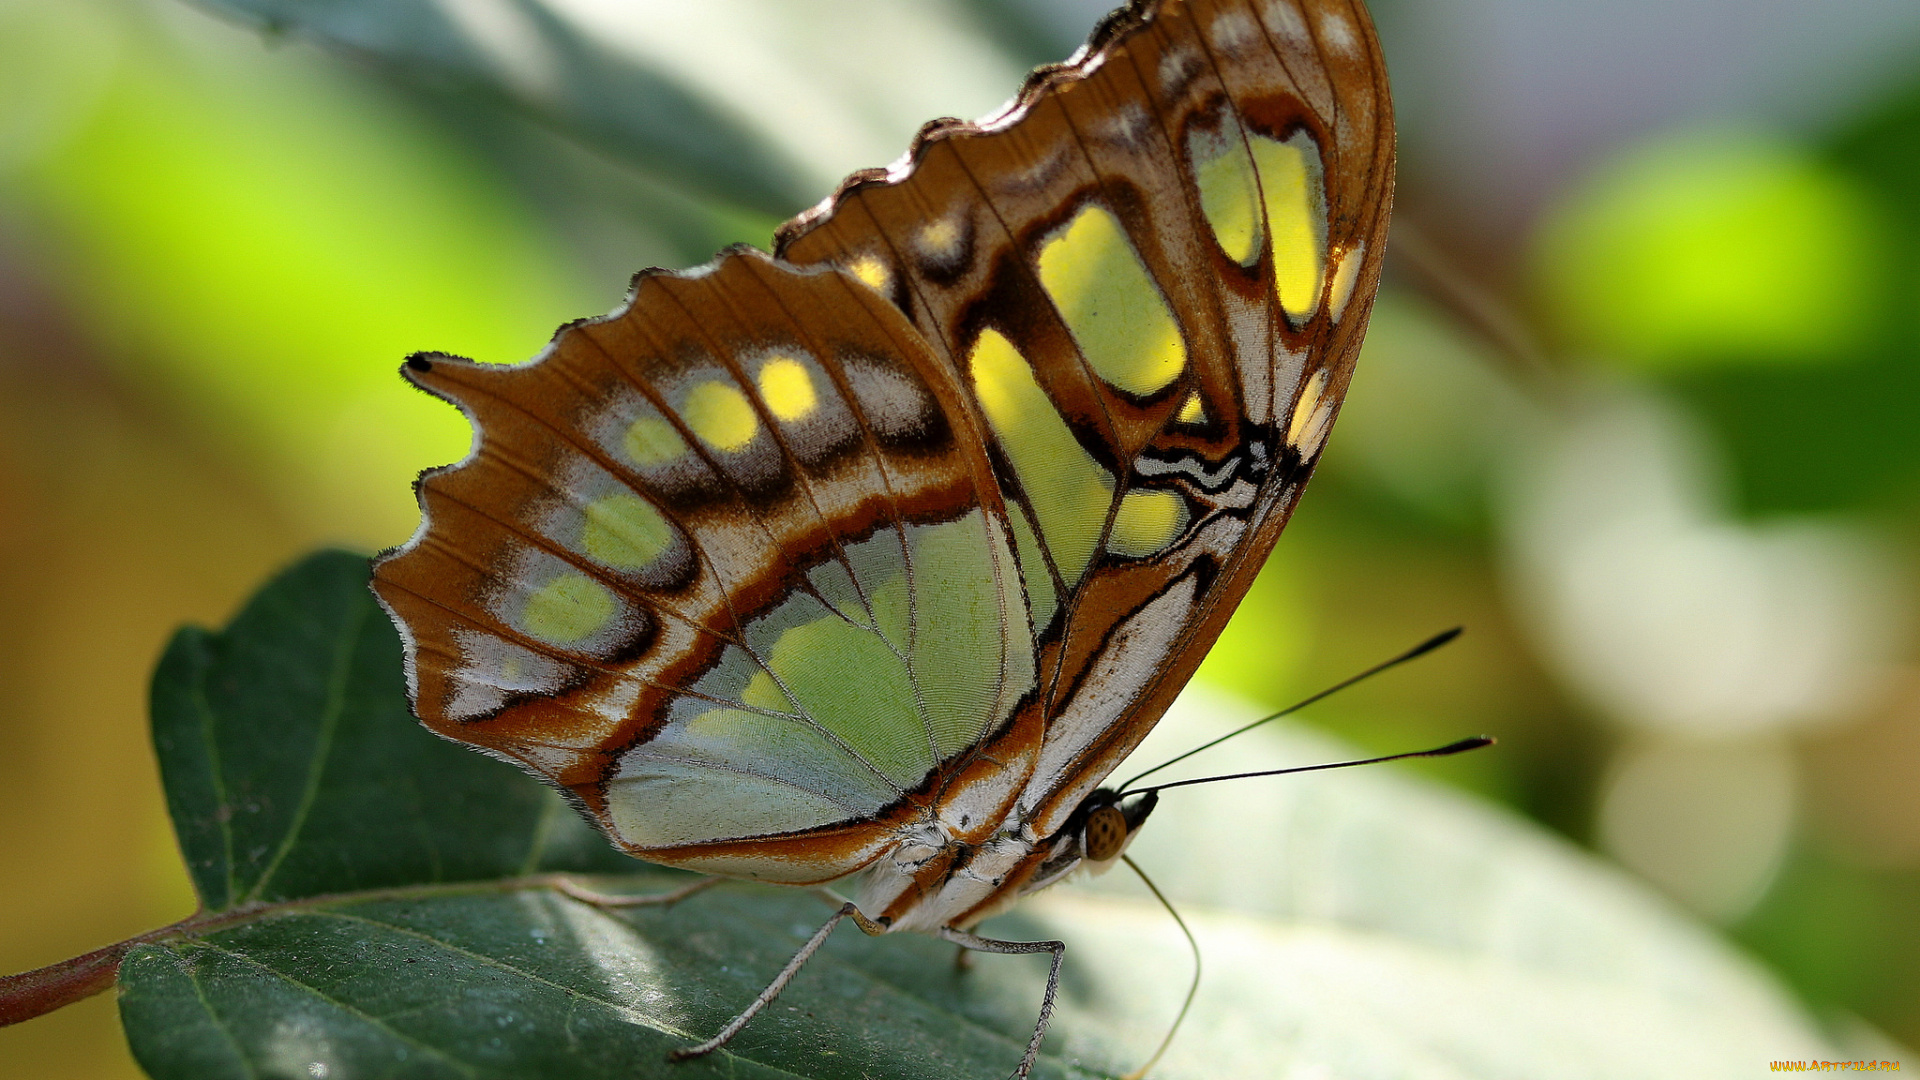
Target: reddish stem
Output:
[
  {"x": 42, "y": 990},
  {"x": 33, "y": 993}
]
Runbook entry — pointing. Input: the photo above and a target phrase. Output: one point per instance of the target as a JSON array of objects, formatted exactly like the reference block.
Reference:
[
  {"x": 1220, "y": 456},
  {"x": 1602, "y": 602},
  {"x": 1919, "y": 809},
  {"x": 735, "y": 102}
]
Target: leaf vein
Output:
[
  {"x": 330, "y": 715},
  {"x": 200, "y": 995},
  {"x": 379, "y": 1023},
  {"x": 496, "y": 963},
  {"x": 223, "y": 813}
]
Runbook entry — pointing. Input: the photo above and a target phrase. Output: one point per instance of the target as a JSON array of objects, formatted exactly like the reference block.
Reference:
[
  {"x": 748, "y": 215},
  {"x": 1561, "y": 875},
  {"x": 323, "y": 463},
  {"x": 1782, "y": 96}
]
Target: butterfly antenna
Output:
[
  {"x": 1192, "y": 988},
  {"x": 1458, "y": 747},
  {"x": 1417, "y": 651}
]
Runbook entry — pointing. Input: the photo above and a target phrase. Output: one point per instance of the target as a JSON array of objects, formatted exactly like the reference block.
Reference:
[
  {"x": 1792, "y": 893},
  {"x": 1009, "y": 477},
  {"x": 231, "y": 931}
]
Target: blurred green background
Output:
[{"x": 1640, "y": 408}]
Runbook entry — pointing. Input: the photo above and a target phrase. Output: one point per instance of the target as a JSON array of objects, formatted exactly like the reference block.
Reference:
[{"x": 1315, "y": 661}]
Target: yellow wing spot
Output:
[
  {"x": 763, "y": 693},
  {"x": 787, "y": 389},
  {"x": 733, "y": 725},
  {"x": 652, "y": 441},
  {"x": 1346, "y": 273},
  {"x": 1230, "y": 199},
  {"x": 720, "y": 414},
  {"x": 568, "y": 608},
  {"x": 1193, "y": 412},
  {"x": 1116, "y": 314},
  {"x": 1304, "y": 408},
  {"x": 872, "y": 272},
  {"x": 625, "y": 532},
  {"x": 1070, "y": 492},
  {"x": 940, "y": 239},
  {"x": 1296, "y": 219},
  {"x": 1315, "y": 432},
  {"x": 1146, "y": 522}
]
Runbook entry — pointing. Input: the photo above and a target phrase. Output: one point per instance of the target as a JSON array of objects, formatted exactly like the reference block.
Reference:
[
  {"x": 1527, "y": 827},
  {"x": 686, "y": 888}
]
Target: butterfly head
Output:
[
  {"x": 1105, "y": 825},
  {"x": 1095, "y": 837}
]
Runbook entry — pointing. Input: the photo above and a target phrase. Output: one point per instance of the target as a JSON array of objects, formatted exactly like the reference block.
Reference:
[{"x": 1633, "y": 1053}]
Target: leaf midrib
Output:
[
  {"x": 219, "y": 1022},
  {"x": 465, "y": 1068},
  {"x": 330, "y": 715},
  {"x": 216, "y": 770}
]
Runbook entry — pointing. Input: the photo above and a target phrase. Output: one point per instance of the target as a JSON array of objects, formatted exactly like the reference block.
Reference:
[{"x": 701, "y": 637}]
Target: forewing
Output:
[{"x": 1150, "y": 277}]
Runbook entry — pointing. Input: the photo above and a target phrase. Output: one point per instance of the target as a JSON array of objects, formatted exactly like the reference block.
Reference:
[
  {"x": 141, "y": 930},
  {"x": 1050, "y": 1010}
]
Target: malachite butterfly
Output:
[{"x": 867, "y": 562}]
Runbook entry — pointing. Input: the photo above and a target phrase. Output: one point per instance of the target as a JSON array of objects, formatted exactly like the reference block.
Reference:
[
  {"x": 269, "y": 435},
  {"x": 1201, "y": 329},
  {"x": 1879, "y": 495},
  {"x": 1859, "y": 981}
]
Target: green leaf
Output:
[
  {"x": 381, "y": 905},
  {"x": 293, "y": 768},
  {"x": 526, "y": 55},
  {"x": 761, "y": 104},
  {"x": 528, "y": 983}
]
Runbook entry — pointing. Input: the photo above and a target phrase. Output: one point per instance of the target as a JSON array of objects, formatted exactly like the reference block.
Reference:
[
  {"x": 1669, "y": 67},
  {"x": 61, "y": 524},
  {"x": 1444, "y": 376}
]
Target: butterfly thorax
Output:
[{"x": 933, "y": 878}]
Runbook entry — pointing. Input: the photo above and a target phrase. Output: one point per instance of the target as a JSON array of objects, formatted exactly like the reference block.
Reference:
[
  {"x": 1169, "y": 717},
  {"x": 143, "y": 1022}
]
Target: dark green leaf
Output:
[
  {"x": 293, "y": 768},
  {"x": 547, "y": 66},
  {"x": 527, "y": 983},
  {"x": 759, "y": 106}
]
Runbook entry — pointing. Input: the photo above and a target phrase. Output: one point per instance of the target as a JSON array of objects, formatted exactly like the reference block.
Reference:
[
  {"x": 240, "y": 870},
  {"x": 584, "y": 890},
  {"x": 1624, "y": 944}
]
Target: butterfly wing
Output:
[
  {"x": 1150, "y": 277},
  {"x": 727, "y": 567},
  {"x": 943, "y": 508}
]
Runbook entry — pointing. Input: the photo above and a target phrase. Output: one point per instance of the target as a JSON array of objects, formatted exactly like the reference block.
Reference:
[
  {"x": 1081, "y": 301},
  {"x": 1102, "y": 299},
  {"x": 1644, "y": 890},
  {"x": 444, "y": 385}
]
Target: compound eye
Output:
[{"x": 1105, "y": 835}]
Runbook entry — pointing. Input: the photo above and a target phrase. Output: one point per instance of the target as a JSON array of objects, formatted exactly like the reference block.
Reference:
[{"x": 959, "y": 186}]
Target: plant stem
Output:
[{"x": 42, "y": 990}]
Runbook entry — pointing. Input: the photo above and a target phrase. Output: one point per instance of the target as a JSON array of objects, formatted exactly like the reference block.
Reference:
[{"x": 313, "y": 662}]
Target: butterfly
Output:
[{"x": 866, "y": 562}]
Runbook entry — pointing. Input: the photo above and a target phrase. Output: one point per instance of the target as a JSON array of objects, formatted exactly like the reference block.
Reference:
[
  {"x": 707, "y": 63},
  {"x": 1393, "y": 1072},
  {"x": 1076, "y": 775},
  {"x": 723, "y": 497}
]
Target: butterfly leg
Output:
[
  {"x": 567, "y": 886},
  {"x": 991, "y": 945},
  {"x": 780, "y": 981}
]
